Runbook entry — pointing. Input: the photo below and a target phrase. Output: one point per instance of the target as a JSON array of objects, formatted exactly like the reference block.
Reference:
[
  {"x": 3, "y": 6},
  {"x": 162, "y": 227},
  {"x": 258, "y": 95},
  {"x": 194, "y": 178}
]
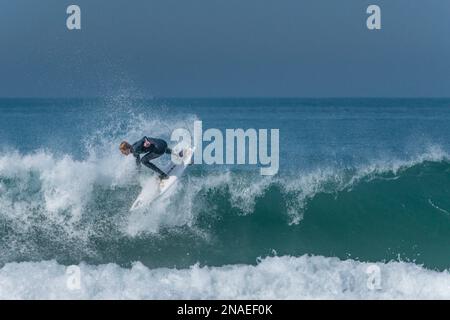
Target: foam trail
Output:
[{"x": 305, "y": 277}]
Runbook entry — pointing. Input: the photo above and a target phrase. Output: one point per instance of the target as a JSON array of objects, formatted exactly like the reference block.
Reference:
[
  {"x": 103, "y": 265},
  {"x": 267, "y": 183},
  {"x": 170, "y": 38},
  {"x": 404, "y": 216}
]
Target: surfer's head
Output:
[{"x": 125, "y": 148}]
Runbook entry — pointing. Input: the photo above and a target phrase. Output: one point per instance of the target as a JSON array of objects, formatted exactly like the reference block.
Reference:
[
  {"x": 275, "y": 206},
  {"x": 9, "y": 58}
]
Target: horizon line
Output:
[{"x": 233, "y": 97}]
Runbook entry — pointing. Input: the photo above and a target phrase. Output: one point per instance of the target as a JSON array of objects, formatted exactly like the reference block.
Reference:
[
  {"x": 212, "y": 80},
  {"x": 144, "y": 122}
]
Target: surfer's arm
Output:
[{"x": 146, "y": 142}]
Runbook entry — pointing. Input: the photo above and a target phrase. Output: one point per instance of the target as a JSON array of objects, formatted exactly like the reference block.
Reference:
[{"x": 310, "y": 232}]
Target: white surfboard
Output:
[{"x": 155, "y": 187}]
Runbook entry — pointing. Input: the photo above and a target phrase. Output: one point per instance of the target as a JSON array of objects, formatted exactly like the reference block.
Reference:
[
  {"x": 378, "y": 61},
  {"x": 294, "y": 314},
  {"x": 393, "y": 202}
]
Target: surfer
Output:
[{"x": 153, "y": 148}]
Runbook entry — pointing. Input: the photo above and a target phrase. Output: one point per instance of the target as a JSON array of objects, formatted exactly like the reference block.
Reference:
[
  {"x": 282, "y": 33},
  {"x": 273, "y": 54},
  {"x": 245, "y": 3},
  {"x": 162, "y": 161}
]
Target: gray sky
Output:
[{"x": 204, "y": 48}]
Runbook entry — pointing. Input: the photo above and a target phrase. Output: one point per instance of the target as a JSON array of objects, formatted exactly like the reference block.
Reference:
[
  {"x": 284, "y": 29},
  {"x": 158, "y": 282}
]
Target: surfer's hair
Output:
[{"x": 125, "y": 146}]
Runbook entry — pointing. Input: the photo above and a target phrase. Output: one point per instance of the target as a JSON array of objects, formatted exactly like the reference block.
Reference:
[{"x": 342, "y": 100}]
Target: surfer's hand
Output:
[{"x": 146, "y": 143}]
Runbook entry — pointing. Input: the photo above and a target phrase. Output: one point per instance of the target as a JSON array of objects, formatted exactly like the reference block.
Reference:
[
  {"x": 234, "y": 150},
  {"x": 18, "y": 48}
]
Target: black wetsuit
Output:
[{"x": 157, "y": 148}]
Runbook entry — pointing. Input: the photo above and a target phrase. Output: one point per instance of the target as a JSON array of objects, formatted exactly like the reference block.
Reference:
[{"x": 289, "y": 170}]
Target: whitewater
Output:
[{"x": 305, "y": 277}]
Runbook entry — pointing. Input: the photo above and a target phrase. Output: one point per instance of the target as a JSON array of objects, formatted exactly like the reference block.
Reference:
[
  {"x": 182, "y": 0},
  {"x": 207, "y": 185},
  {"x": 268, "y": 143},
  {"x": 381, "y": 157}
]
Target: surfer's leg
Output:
[
  {"x": 162, "y": 148},
  {"x": 146, "y": 162}
]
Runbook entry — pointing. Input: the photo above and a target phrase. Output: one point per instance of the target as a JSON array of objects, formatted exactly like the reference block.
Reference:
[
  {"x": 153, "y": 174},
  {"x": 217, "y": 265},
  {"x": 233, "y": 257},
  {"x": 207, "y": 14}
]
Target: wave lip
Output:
[{"x": 286, "y": 277}]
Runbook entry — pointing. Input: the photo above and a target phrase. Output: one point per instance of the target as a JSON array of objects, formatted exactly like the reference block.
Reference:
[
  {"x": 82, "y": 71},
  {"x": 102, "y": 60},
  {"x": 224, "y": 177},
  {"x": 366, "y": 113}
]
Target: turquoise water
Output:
[{"x": 366, "y": 179}]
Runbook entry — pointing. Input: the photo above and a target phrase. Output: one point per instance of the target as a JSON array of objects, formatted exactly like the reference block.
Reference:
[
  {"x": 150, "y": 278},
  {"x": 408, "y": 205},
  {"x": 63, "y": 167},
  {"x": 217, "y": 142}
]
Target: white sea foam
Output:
[
  {"x": 284, "y": 277},
  {"x": 60, "y": 187}
]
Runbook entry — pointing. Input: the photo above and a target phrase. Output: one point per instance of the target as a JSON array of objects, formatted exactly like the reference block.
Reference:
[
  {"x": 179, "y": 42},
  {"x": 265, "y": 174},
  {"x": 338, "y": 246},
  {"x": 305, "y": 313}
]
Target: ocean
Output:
[{"x": 362, "y": 191}]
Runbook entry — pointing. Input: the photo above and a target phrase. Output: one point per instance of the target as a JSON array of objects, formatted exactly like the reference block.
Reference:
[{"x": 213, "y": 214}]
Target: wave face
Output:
[
  {"x": 76, "y": 211},
  {"x": 285, "y": 277}
]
